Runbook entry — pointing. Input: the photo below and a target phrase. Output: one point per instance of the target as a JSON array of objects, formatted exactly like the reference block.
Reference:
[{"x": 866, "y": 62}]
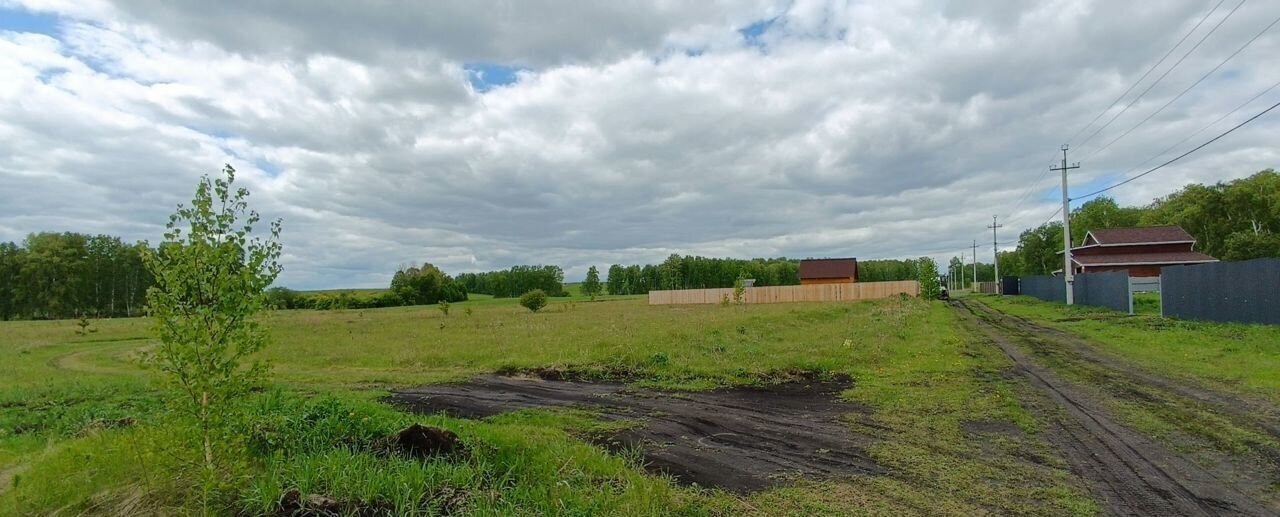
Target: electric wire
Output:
[
  {"x": 1181, "y": 156},
  {"x": 1165, "y": 74},
  {"x": 1149, "y": 70}
]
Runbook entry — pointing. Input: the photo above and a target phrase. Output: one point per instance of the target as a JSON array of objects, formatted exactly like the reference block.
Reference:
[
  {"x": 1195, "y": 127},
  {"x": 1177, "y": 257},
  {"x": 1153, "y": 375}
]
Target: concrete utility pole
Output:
[
  {"x": 960, "y": 275},
  {"x": 975, "y": 264},
  {"x": 995, "y": 251},
  {"x": 1067, "y": 274}
]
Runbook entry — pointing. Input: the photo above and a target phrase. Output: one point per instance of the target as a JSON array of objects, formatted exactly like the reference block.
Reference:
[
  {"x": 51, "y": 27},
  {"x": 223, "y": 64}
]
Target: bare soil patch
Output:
[
  {"x": 739, "y": 439},
  {"x": 1130, "y": 473},
  {"x": 988, "y": 427}
]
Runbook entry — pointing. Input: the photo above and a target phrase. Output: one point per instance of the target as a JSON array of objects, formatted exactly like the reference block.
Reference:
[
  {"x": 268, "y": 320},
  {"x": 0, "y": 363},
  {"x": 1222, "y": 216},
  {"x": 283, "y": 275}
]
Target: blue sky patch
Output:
[
  {"x": 753, "y": 33},
  {"x": 1077, "y": 187},
  {"x": 487, "y": 76},
  {"x": 271, "y": 169},
  {"x": 21, "y": 20}
]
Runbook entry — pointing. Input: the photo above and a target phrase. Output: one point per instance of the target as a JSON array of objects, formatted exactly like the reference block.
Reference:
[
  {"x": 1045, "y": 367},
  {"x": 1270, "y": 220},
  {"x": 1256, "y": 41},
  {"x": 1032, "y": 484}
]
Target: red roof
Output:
[
  {"x": 828, "y": 268},
  {"x": 1131, "y": 259},
  {"x": 1144, "y": 235}
]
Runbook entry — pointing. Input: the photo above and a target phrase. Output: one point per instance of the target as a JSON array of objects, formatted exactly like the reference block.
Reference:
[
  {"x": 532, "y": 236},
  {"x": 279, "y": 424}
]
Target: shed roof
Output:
[
  {"x": 829, "y": 268},
  {"x": 1141, "y": 235},
  {"x": 1135, "y": 259}
]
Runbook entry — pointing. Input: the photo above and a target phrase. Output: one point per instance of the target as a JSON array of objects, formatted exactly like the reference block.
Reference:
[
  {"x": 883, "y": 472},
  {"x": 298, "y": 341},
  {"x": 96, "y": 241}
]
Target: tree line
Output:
[
  {"x": 410, "y": 285},
  {"x": 516, "y": 281},
  {"x": 695, "y": 272},
  {"x": 63, "y": 275},
  {"x": 1235, "y": 220}
]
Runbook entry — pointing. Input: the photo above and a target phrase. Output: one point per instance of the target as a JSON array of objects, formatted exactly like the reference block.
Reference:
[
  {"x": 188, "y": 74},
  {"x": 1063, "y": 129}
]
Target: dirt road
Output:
[{"x": 1129, "y": 472}]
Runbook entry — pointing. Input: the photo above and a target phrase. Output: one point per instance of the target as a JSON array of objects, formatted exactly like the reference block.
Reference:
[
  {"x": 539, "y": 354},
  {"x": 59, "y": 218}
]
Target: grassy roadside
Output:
[
  {"x": 1228, "y": 435},
  {"x": 1234, "y": 357},
  {"x": 92, "y": 435}
]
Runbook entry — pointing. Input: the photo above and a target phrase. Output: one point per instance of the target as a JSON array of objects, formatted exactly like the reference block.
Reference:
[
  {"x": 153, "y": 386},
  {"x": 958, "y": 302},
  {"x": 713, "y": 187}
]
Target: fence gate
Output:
[{"x": 1144, "y": 284}]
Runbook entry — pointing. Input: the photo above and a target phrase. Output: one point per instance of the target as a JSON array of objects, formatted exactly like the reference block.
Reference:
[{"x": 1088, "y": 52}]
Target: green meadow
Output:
[{"x": 85, "y": 430}]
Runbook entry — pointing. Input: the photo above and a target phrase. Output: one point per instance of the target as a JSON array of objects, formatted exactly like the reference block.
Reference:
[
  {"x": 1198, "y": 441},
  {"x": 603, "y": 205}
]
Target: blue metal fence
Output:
[
  {"x": 1110, "y": 290},
  {"x": 1047, "y": 288},
  {"x": 1246, "y": 292}
]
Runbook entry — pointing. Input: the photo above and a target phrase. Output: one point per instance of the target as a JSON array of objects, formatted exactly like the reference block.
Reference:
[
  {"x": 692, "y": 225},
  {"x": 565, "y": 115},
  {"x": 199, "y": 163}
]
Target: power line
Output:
[
  {"x": 1183, "y": 155},
  {"x": 1031, "y": 187},
  {"x": 1149, "y": 70},
  {"x": 1165, "y": 74},
  {"x": 1202, "y": 129},
  {"x": 1187, "y": 89}
]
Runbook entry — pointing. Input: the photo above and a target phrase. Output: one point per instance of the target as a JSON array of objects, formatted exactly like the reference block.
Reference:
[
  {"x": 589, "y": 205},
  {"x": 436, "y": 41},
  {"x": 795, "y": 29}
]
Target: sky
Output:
[{"x": 481, "y": 135}]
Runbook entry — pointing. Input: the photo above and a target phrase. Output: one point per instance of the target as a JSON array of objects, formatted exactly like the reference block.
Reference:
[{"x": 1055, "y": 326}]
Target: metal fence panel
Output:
[
  {"x": 1010, "y": 285},
  {"x": 1110, "y": 290},
  {"x": 1047, "y": 288},
  {"x": 1245, "y": 292}
]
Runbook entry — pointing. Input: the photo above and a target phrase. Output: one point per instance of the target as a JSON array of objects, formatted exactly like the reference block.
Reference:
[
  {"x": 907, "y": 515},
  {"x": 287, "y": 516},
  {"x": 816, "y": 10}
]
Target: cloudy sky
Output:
[{"x": 478, "y": 135}]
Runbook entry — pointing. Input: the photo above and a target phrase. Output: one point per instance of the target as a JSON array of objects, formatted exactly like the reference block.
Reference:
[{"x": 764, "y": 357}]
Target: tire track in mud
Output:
[
  {"x": 1254, "y": 412},
  {"x": 1129, "y": 473}
]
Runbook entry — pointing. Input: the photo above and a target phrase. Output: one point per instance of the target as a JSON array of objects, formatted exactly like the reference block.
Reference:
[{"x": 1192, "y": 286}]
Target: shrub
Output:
[
  {"x": 444, "y": 307},
  {"x": 534, "y": 300}
]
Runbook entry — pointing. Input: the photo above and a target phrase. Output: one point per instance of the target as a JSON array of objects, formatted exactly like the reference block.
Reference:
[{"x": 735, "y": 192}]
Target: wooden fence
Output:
[
  {"x": 790, "y": 293},
  {"x": 984, "y": 287}
]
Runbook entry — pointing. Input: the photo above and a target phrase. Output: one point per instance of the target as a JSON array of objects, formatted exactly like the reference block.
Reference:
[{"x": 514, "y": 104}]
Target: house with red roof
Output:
[{"x": 1140, "y": 251}]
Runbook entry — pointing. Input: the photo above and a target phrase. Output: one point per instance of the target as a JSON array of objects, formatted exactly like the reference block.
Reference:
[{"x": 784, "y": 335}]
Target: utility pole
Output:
[
  {"x": 1067, "y": 274},
  {"x": 975, "y": 264},
  {"x": 960, "y": 275},
  {"x": 995, "y": 251}
]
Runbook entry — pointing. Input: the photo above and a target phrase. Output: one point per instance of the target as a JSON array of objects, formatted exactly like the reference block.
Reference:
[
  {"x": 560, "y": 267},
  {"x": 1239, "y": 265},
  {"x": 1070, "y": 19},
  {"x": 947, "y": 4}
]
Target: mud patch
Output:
[
  {"x": 993, "y": 428},
  {"x": 741, "y": 439}
]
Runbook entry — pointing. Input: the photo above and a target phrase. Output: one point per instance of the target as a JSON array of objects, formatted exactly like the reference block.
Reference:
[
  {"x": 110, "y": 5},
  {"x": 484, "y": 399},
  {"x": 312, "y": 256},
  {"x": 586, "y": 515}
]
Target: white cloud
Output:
[{"x": 882, "y": 129}]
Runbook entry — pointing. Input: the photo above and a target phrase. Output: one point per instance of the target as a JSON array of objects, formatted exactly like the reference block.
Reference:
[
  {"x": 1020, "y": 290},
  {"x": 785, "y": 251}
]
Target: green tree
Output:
[
  {"x": 740, "y": 288},
  {"x": 1097, "y": 214},
  {"x": 426, "y": 285},
  {"x": 211, "y": 273},
  {"x": 1250, "y": 245},
  {"x": 591, "y": 286},
  {"x": 534, "y": 300},
  {"x": 930, "y": 288}
]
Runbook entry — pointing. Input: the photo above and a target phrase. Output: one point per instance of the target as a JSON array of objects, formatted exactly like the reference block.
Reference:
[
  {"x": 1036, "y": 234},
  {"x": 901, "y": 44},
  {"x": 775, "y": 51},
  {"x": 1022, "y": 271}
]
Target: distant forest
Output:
[
  {"x": 64, "y": 275},
  {"x": 693, "y": 272},
  {"x": 516, "y": 281},
  {"x": 1236, "y": 220}
]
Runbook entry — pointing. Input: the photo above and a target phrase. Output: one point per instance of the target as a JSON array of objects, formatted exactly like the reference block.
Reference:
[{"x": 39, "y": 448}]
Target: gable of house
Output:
[{"x": 829, "y": 269}]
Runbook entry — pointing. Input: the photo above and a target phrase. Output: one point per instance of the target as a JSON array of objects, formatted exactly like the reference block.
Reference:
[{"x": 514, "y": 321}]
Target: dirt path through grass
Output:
[
  {"x": 740, "y": 439},
  {"x": 1129, "y": 471},
  {"x": 1250, "y": 410}
]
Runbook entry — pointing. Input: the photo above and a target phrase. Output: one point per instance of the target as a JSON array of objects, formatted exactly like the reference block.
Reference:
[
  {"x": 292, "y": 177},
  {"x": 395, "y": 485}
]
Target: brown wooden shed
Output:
[
  {"x": 1140, "y": 251},
  {"x": 828, "y": 271}
]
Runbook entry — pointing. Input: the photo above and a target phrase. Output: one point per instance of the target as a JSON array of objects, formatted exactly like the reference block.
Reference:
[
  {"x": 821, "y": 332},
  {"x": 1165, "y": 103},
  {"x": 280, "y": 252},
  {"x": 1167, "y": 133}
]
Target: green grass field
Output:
[
  {"x": 83, "y": 429},
  {"x": 1233, "y": 357}
]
